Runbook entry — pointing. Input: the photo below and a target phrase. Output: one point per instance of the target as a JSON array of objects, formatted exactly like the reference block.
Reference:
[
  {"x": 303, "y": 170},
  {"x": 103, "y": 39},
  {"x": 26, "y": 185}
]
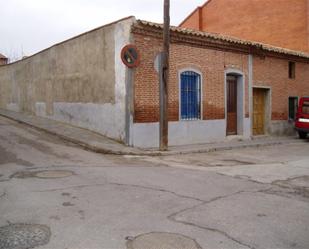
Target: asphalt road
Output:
[{"x": 58, "y": 196}]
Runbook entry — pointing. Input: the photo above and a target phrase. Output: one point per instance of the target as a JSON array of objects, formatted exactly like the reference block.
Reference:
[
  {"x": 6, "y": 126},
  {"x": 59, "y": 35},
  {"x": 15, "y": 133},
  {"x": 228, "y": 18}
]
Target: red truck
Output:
[{"x": 302, "y": 118}]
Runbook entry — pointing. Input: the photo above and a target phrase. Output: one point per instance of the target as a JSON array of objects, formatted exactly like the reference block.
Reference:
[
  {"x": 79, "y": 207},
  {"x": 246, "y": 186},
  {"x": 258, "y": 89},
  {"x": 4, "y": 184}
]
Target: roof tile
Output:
[{"x": 231, "y": 39}]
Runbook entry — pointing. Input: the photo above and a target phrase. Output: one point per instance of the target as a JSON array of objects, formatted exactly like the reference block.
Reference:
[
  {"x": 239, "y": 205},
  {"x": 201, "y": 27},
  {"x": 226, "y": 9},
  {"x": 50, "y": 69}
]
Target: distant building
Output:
[
  {"x": 282, "y": 23},
  {"x": 3, "y": 60}
]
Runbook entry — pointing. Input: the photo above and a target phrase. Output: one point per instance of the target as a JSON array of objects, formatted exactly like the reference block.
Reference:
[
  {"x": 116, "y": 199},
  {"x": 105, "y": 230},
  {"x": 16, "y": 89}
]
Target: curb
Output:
[
  {"x": 101, "y": 150},
  {"x": 85, "y": 146},
  {"x": 223, "y": 148}
]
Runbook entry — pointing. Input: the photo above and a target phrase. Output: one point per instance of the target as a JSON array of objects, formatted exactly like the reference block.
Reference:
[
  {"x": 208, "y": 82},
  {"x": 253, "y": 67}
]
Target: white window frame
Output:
[{"x": 201, "y": 92}]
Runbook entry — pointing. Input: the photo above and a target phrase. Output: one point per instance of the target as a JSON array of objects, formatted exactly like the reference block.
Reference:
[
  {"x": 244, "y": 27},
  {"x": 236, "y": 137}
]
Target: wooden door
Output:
[
  {"x": 258, "y": 111},
  {"x": 231, "y": 126}
]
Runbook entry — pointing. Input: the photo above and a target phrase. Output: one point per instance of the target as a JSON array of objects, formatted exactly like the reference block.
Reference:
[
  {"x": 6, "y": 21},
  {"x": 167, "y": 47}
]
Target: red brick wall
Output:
[
  {"x": 272, "y": 72},
  {"x": 283, "y": 23},
  {"x": 211, "y": 63},
  {"x": 193, "y": 21}
]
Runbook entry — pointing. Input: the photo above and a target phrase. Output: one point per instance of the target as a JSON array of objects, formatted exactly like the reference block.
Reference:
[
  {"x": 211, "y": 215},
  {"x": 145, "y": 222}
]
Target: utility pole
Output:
[{"x": 164, "y": 74}]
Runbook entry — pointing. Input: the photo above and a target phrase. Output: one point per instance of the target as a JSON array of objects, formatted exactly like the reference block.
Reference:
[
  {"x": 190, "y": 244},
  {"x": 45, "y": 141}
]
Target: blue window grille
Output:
[{"x": 190, "y": 87}]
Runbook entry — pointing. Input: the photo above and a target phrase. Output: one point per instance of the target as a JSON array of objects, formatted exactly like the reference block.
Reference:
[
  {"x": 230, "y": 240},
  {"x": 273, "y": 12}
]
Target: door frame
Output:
[
  {"x": 240, "y": 99},
  {"x": 268, "y": 108}
]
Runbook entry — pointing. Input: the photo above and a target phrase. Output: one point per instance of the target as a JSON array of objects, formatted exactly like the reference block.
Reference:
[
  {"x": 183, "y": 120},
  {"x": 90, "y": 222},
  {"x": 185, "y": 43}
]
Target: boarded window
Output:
[
  {"x": 190, "y": 87},
  {"x": 293, "y": 103}
]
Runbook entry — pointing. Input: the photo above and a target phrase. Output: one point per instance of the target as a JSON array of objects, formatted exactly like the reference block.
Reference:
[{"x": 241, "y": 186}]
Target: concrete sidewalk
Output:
[
  {"x": 101, "y": 144},
  {"x": 85, "y": 138}
]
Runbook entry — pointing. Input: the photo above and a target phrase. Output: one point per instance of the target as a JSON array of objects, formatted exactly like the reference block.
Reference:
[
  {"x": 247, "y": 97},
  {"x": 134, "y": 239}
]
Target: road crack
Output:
[
  {"x": 157, "y": 189},
  {"x": 70, "y": 187},
  {"x": 172, "y": 217},
  {"x": 213, "y": 230},
  {"x": 124, "y": 185}
]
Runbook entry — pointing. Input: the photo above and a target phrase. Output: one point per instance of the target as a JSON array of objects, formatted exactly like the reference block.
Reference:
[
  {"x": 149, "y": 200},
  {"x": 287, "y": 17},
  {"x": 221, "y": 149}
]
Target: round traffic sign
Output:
[{"x": 130, "y": 56}]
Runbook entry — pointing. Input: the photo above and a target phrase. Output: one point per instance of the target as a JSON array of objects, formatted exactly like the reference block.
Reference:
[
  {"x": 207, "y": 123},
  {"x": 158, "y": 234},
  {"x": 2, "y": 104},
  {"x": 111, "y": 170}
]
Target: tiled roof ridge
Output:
[{"x": 227, "y": 38}]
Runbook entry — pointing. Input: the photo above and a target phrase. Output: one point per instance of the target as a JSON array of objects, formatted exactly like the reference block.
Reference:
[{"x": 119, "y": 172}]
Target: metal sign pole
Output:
[{"x": 164, "y": 74}]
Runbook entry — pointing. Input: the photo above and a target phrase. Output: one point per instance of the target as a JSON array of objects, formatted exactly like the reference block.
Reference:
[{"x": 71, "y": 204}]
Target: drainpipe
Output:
[
  {"x": 129, "y": 106},
  {"x": 250, "y": 81}
]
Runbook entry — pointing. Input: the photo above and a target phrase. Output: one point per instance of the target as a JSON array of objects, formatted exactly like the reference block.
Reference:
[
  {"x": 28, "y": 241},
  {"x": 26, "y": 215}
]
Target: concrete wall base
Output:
[
  {"x": 281, "y": 128},
  {"x": 12, "y": 107},
  {"x": 146, "y": 135},
  {"x": 101, "y": 118}
]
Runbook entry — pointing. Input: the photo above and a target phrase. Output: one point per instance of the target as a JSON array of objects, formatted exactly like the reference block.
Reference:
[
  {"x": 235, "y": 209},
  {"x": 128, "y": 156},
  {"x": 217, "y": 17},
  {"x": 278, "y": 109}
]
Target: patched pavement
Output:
[
  {"x": 157, "y": 240},
  {"x": 55, "y": 195}
]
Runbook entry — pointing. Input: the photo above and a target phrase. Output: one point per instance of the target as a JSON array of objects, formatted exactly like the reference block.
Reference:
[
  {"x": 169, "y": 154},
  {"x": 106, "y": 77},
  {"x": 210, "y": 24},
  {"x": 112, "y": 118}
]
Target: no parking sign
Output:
[{"x": 130, "y": 56}]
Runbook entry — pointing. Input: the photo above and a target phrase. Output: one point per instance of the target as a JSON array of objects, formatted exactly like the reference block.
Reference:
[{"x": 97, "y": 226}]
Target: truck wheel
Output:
[{"x": 302, "y": 135}]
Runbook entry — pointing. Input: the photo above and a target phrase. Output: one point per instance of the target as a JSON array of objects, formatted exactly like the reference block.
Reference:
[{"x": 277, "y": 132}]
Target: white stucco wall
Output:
[
  {"x": 108, "y": 118},
  {"x": 81, "y": 81}
]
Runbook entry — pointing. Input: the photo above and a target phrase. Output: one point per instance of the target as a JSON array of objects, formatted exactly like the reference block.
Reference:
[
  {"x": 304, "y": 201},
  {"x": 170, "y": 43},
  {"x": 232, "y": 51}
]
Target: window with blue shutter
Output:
[{"x": 190, "y": 87}]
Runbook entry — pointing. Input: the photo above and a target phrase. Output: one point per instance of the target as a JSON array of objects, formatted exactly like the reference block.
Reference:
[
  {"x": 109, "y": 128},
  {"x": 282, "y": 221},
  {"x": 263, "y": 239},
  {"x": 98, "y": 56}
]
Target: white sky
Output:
[{"x": 28, "y": 26}]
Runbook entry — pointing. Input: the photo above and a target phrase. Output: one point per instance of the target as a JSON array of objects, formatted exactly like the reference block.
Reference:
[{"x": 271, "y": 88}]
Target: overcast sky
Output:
[{"x": 28, "y": 26}]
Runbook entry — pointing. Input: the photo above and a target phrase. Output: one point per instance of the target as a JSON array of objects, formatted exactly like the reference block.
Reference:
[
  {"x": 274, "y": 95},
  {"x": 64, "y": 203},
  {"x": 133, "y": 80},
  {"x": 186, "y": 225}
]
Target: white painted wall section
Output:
[
  {"x": 122, "y": 37},
  {"x": 247, "y": 128},
  {"x": 146, "y": 135}
]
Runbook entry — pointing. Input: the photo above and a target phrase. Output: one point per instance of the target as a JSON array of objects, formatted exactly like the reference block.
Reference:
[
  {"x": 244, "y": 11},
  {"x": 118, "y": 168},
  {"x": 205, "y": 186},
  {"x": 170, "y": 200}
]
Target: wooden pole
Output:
[{"x": 164, "y": 79}]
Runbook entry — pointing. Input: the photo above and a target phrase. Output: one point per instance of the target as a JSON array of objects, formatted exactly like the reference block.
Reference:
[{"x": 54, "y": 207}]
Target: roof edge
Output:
[
  {"x": 72, "y": 38},
  {"x": 191, "y": 14},
  {"x": 229, "y": 39},
  {"x": 196, "y": 9}
]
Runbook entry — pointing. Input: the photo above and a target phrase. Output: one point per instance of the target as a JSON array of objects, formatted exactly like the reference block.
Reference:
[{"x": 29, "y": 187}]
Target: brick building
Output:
[
  {"x": 283, "y": 23},
  {"x": 244, "y": 88},
  {"x": 219, "y": 86}
]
